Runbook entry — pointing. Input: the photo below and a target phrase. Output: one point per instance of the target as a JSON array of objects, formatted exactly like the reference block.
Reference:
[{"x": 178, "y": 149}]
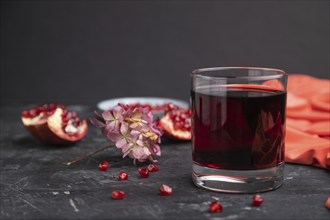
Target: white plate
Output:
[{"x": 153, "y": 101}]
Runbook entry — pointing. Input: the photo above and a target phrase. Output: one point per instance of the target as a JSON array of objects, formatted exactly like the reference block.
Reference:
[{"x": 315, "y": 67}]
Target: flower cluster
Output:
[{"x": 132, "y": 129}]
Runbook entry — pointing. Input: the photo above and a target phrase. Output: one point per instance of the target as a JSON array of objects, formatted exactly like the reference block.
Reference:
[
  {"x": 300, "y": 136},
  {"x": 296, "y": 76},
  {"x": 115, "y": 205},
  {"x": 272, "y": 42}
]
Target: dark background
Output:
[{"x": 84, "y": 51}]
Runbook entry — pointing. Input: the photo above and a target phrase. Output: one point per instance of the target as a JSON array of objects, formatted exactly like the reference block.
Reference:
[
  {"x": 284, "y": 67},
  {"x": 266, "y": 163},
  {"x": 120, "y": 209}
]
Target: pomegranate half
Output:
[
  {"x": 53, "y": 124},
  {"x": 176, "y": 123}
]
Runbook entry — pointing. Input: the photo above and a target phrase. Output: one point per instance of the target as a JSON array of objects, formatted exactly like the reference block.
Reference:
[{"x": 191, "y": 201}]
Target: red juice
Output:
[{"x": 238, "y": 128}]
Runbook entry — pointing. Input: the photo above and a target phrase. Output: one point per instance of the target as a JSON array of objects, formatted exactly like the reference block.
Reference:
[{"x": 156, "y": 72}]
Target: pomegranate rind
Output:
[
  {"x": 43, "y": 133},
  {"x": 56, "y": 127},
  {"x": 47, "y": 130},
  {"x": 167, "y": 126}
]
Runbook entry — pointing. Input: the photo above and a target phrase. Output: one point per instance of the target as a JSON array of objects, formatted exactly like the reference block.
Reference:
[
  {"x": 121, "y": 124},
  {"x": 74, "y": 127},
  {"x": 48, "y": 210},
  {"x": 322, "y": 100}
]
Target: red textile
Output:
[{"x": 308, "y": 121}]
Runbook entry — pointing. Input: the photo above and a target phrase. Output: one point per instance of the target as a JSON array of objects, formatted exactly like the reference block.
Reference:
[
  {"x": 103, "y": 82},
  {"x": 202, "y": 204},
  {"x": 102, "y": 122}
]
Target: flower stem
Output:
[{"x": 88, "y": 155}]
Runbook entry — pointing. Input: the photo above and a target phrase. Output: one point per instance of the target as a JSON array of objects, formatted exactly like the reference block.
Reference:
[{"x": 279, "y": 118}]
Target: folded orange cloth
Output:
[{"x": 308, "y": 121}]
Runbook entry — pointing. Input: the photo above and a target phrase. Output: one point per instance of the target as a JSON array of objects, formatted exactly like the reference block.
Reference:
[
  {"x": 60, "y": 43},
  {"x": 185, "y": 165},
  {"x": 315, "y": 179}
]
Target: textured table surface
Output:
[{"x": 35, "y": 183}]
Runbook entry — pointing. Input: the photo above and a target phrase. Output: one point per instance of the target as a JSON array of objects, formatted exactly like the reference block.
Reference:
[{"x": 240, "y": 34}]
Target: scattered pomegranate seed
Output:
[
  {"x": 165, "y": 190},
  {"x": 215, "y": 207},
  {"x": 144, "y": 172},
  {"x": 122, "y": 175},
  {"x": 118, "y": 194},
  {"x": 257, "y": 200},
  {"x": 103, "y": 166},
  {"x": 152, "y": 168}
]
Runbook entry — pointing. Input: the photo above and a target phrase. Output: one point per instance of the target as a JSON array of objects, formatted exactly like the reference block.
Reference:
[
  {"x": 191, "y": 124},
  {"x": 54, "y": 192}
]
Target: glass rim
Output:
[{"x": 199, "y": 73}]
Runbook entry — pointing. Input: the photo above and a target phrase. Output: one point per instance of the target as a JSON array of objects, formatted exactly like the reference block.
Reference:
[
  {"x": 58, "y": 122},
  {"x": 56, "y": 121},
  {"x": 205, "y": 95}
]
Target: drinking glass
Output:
[{"x": 238, "y": 128}]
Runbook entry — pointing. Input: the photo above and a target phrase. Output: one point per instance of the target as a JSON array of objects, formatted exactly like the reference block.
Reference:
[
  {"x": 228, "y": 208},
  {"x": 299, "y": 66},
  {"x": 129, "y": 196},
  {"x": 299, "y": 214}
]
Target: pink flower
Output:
[
  {"x": 132, "y": 130},
  {"x": 113, "y": 118},
  {"x": 137, "y": 152}
]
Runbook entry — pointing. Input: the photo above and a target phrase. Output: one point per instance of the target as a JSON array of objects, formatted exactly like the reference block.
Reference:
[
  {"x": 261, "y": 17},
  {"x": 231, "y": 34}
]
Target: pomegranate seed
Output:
[
  {"x": 38, "y": 110},
  {"x": 65, "y": 119},
  {"x": 183, "y": 117},
  {"x": 122, "y": 175},
  {"x": 165, "y": 190},
  {"x": 118, "y": 194},
  {"x": 25, "y": 114},
  {"x": 144, "y": 172},
  {"x": 177, "y": 118},
  {"x": 76, "y": 118},
  {"x": 215, "y": 207},
  {"x": 147, "y": 106},
  {"x": 177, "y": 126},
  {"x": 44, "y": 109},
  {"x": 32, "y": 113},
  {"x": 257, "y": 200},
  {"x": 152, "y": 168},
  {"x": 171, "y": 107},
  {"x": 187, "y": 127},
  {"x": 103, "y": 166}
]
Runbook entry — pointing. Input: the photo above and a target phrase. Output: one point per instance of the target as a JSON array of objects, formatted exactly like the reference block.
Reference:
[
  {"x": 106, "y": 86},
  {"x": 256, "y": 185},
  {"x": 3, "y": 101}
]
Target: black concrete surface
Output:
[{"x": 36, "y": 184}]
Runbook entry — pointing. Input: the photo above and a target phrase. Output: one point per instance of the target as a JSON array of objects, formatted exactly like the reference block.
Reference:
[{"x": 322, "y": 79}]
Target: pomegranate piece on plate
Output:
[
  {"x": 176, "y": 123},
  {"x": 54, "y": 124}
]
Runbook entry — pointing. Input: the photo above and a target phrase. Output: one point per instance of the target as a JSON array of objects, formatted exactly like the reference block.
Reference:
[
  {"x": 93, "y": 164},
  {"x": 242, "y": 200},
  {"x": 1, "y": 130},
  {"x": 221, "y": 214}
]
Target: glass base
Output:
[{"x": 238, "y": 181}]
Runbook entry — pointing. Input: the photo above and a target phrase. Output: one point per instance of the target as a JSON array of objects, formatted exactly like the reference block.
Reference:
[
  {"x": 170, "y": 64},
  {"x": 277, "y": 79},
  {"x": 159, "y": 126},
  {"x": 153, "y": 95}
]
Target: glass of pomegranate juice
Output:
[{"x": 238, "y": 128}]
